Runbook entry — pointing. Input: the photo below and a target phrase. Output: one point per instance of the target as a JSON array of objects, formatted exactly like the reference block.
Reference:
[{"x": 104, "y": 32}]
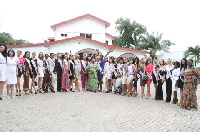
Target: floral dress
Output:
[
  {"x": 65, "y": 77},
  {"x": 92, "y": 77},
  {"x": 191, "y": 80}
]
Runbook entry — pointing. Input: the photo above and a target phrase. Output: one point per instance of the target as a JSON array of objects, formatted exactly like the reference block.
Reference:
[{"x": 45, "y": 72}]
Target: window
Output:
[
  {"x": 82, "y": 34},
  {"x": 63, "y": 35},
  {"x": 86, "y": 35},
  {"x": 89, "y": 36},
  {"x": 106, "y": 41}
]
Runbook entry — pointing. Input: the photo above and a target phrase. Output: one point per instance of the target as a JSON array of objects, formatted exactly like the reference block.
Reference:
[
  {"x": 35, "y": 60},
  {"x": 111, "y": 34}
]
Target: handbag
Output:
[{"x": 145, "y": 78}]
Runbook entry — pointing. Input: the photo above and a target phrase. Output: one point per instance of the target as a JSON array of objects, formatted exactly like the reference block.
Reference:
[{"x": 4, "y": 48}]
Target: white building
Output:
[
  {"x": 174, "y": 56},
  {"x": 83, "y": 34}
]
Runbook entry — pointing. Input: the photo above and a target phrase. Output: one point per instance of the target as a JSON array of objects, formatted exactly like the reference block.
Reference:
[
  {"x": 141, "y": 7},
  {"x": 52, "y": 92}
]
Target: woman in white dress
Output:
[
  {"x": 175, "y": 77},
  {"x": 3, "y": 58},
  {"x": 109, "y": 71},
  {"x": 124, "y": 77},
  {"x": 40, "y": 67},
  {"x": 12, "y": 72},
  {"x": 104, "y": 75}
]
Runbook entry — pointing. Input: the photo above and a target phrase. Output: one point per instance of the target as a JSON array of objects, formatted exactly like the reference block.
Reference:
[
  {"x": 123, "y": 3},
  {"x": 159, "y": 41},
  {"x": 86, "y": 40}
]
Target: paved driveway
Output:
[{"x": 87, "y": 111}]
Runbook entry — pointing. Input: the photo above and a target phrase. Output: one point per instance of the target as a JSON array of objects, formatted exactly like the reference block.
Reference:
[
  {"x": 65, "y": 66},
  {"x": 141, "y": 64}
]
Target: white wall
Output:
[
  {"x": 108, "y": 39},
  {"x": 31, "y": 49},
  {"x": 86, "y": 25},
  {"x": 118, "y": 52},
  {"x": 74, "y": 46},
  {"x": 174, "y": 56}
]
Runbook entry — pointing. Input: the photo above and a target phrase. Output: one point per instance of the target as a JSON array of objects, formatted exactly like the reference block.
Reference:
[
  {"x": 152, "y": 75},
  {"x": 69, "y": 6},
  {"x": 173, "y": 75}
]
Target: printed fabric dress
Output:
[
  {"x": 92, "y": 77},
  {"x": 65, "y": 77},
  {"x": 191, "y": 80}
]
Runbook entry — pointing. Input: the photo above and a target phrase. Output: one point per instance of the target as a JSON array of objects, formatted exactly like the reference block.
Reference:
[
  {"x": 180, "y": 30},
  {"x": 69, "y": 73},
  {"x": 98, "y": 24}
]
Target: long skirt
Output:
[
  {"x": 92, "y": 82},
  {"x": 65, "y": 80},
  {"x": 159, "y": 92},
  {"x": 84, "y": 80},
  {"x": 26, "y": 83},
  {"x": 168, "y": 89},
  {"x": 189, "y": 101},
  {"x": 46, "y": 81},
  {"x": 118, "y": 85},
  {"x": 59, "y": 81}
]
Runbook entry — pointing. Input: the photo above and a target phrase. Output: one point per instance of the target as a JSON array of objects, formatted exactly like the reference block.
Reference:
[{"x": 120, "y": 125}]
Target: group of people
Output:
[{"x": 98, "y": 73}]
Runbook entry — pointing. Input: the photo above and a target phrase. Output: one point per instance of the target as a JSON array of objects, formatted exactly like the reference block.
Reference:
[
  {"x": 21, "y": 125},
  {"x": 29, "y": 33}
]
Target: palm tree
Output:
[
  {"x": 154, "y": 43},
  {"x": 194, "y": 51}
]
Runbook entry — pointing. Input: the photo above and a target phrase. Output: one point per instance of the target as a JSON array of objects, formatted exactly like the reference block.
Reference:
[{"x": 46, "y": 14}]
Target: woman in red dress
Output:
[{"x": 149, "y": 67}]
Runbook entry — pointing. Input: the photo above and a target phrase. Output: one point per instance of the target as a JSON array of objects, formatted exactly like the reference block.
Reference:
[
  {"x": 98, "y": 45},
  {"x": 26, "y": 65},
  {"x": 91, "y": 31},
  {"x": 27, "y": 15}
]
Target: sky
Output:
[{"x": 177, "y": 20}]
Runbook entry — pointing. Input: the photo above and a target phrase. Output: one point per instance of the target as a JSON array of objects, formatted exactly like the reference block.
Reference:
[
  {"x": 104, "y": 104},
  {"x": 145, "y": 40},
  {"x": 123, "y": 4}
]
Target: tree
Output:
[
  {"x": 193, "y": 51},
  {"x": 6, "y": 34},
  {"x": 154, "y": 43},
  {"x": 21, "y": 41},
  {"x": 6, "y": 40},
  {"x": 130, "y": 33}
]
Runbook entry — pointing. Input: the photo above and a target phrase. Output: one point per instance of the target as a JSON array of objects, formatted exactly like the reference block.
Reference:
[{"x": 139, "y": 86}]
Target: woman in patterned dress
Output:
[
  {"x": 40, "y": 67},
  {"x": 92, "y": 69},
  {"x": 27, "y": 72},
  {"x": 191, "y": 80},
  {"x": 65, "y": 74},
  {"x": 77, "y": 71}
]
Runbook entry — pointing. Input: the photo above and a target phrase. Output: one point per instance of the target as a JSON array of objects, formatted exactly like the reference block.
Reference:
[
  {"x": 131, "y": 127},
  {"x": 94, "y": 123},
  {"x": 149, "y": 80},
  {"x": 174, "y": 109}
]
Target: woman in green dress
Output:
[{"x": 92, "y": 69}]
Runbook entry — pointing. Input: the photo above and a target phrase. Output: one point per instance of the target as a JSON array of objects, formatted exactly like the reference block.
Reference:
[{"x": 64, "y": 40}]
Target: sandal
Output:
[
  {"x": 133, "y": 94},
  {"x": 136, "y": 94}
]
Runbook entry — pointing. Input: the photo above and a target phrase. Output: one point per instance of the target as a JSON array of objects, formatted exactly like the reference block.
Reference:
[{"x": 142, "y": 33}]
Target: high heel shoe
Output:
[
  {"x": 142, "y": 96},
  {"x": 20, "y": 93},
  {"x": 41, "y": 91},
  {"x": 17, "y": 93}
]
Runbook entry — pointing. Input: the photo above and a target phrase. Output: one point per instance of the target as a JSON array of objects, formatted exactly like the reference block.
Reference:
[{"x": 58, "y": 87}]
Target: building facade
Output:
[{"x": 83, "y": 34}]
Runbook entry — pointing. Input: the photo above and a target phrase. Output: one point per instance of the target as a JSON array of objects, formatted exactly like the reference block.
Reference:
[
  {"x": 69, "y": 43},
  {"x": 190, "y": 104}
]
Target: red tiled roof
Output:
[
  {"x": 130, "y": 49},
  {"x": 112, "y": 47},
  {"x": 109, "y": 35},
  {"x": 107, "y": 24},
  {"x": 51, "y": 38}
]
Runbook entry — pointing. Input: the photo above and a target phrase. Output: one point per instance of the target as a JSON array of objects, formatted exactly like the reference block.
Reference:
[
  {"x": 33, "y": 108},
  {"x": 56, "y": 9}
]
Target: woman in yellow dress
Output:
[{"x": 191, "y": 80}]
